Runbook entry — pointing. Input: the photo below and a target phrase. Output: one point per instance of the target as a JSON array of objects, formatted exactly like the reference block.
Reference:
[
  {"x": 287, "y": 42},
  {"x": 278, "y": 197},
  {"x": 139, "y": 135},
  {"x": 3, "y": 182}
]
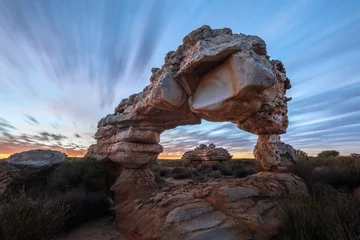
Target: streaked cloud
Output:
[{"x": 66, "y": 64}]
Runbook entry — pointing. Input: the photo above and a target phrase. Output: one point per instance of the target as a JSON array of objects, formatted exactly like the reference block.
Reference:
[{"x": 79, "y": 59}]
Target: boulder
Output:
[
  {"x": 21, "y": 169},
  {"x": 355, "y": 155},
  {"x": 206, "y": 155},
  {"x": 218, "y": 209},
  {"x": 36, "y": 159}
]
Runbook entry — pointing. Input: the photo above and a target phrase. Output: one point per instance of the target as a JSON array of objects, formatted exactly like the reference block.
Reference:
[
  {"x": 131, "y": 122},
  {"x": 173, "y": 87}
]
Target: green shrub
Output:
[
  {"x": 181, "y": 175},
  {"x": 26, "y": 218},
  {"x": 164, "y": 172},
  {"x": 217, "y": 166},
  {"x": 301, "y": 155},
  {"x": 85, "y": 173},
  {"x": 326, "y": 214},
  {"x": 84, "y": 206},
  {"x": 177, "y": 170},
  {"x": 328, "y": 154},
  {"x": 160, "y": 182},
  {"x": 226, "y": 171},
  {"x": 340, "y": 172}
]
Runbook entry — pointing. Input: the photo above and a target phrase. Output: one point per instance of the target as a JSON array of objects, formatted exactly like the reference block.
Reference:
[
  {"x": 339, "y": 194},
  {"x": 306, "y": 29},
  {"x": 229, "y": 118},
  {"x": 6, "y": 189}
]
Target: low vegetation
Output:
[
  {"x": 325, "y": 214},
  {"x": 331, "y": 211},
  {"x": 231, "y": 169},
  {"x": 24, "y": 217},
  {"x": 74, "y": 193}
]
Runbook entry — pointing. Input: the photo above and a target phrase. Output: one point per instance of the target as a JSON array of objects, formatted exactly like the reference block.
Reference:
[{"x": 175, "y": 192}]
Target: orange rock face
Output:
[
  {"x": 219, "y": 209},
  {"x": 214, "y": 75}
]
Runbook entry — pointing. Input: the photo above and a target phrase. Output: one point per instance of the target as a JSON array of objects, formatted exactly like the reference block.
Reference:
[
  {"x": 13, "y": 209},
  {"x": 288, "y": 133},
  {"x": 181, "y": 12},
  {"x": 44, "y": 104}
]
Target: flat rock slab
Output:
[{"x": 36, "y": 159}]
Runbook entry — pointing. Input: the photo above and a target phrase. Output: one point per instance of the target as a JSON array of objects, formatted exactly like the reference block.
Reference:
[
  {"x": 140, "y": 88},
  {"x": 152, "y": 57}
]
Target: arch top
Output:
[{"x": 213, "y": 75}]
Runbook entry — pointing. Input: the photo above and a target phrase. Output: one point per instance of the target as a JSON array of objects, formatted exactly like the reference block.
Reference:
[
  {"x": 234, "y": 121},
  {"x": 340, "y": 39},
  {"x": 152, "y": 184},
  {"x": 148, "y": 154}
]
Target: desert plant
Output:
[
  {"x": 23, "y": 218},
  {"x": 84, "y": 206},
  {"x": 86, "y": 173},
  {"x": 328, "y": 154},
  {"x": 301, "y": 155},
  {"x": 164, "y": 172},
  {"x": 177, "y": 170},
  {"x": 181, "y": 175},
  {"x": 338, "y": 172},
  {"x": 325, "y": 214}
]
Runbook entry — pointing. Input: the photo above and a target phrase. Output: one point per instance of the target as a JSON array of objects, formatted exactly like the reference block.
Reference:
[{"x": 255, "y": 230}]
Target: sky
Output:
[{"x": 66, "y": 64}]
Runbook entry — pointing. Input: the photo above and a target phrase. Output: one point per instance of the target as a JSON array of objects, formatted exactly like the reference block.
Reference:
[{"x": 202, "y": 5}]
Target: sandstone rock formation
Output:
[
  {"x": 355, "y": 155},
  {"x": 206, "y": 155},
  {"x": 214, "y": 75},
  {"x": 36, "y": 159},
  {"x": 24, "y": 167},
  {"x": 233, "y": 209}
]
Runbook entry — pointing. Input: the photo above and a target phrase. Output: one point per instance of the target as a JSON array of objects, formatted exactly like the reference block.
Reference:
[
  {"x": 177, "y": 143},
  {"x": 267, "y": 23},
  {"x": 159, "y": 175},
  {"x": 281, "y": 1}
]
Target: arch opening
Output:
[{"x": 214, "y": 75}]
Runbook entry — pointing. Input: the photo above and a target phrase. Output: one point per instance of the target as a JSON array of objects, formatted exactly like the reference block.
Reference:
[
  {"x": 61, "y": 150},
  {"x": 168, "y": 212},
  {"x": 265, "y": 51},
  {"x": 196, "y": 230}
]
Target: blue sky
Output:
[{"x": 66, "y": 64}]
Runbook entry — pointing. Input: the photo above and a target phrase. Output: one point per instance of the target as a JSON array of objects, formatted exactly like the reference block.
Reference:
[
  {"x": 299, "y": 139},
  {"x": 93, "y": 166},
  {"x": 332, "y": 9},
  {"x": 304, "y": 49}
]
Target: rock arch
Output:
[{"x": 214, "y": 75}]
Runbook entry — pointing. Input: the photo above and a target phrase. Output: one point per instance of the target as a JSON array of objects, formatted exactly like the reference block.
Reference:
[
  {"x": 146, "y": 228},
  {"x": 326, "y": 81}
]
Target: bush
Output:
[
  {"x": 301, "y": 155},
  {"x": 177, "y": 170},
  {"x": 217, "y": 166},
  {"x": 181, "y": 175},
  {"x": 86, "y": 173},
  {"x": 326, "y": 214},
  {"x": 25, "y": 218},
  {"x": 340, "y": 172},
  {"x": 84, "y": 206},
  {"x": 226, "y": 171},
  {"x": 164, "y": 172},
  {"x": 328, "y": 154},
  {"x": 160, "y": 182}
]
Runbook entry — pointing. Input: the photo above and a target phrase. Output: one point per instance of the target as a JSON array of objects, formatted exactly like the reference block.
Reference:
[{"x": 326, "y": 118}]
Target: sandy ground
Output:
[{"x": 101, "y": 229}]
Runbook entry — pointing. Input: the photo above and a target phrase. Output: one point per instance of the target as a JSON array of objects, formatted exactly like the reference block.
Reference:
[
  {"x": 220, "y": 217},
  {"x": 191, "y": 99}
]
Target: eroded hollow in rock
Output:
[{"x": 214, "y": 75}]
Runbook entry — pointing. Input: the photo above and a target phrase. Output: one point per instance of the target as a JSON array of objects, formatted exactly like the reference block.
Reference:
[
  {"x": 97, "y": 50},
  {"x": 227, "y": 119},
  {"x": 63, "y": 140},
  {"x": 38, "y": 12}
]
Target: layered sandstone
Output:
[
  {"x": 218, "y": 209},
  {"x": 214, "y": 75},
  {"x": 206, "y": 155}
]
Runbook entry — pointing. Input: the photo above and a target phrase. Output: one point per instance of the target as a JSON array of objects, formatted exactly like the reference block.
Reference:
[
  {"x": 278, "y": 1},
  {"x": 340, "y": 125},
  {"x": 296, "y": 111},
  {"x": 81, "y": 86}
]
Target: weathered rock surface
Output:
[
  {"x": 36, "y": 159},
  {"x": 219, "y": 209},
  {"x": 22, "y": 168},
  {"x": 214, "y": 75},
  {"x": 206, "y": 155},
  {"x": 273, "y": 154},
  {"x": 355, "y": 155}
]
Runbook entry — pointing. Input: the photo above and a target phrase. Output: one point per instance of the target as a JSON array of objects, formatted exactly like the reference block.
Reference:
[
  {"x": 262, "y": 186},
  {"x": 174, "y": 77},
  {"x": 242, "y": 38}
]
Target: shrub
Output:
[
  {"x": 217, "y": 166},
  {"x": 326, "y": 214},
  {"x": 177, "y": 170},
  {"x": 339, "y": 172},
  {"x": 181, "y": 175},
  {"x": 226, "y": 171},
  {"x": 23, "y": 218},
  {"x": 164, "y": 172},
  {"x": 160, "y": 182},
  {"x": 301, "y": 155},
  {"x": 328, "y": 154},
  {"x": 86, "y": 173},
  {"x": 84, "y": 206}
]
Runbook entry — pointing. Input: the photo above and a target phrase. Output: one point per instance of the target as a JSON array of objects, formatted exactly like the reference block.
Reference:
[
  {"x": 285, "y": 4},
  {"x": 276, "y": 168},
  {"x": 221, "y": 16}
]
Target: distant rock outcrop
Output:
[
  {"x": 36, "y": 159},
  {"x": 206, "y": 155},
  {"x": 355, "y": 155},
  {"x": 24, "y": 167}
]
